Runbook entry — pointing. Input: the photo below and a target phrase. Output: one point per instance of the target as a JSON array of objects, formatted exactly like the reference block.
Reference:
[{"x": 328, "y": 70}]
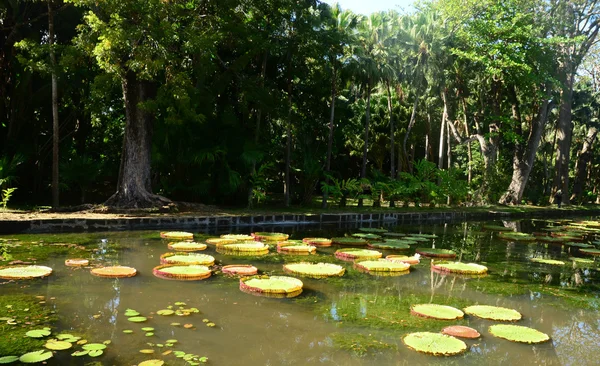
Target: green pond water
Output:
[{"x": 358, "y": 319}]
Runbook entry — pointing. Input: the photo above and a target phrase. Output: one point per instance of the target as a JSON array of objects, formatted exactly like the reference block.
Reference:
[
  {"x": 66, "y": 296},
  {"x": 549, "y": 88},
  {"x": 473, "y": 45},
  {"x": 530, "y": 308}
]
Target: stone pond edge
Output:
[{"x": 214, "y": 222}]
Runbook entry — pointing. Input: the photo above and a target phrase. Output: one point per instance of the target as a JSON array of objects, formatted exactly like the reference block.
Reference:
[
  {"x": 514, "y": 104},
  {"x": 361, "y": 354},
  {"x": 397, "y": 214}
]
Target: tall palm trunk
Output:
[
  {"x": 363, "y": 170},
  {"x": 263, "y": 71},
  {"x": 330, "y": 139},
  {"x": 392, "y": 143},
  {"x": 55, "y": 124},
  {"x": 411, "y": 123}
]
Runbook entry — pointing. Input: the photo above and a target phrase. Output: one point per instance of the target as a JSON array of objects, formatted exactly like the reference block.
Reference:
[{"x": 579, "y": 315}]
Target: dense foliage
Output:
[{"x": 238, "y": 102}]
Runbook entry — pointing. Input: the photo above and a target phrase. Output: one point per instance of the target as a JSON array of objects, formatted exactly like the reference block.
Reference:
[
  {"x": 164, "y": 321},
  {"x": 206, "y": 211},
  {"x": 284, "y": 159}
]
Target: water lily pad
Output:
[
  {"x": 36, "y": 356},
  {"x": 583, "y": 261},
  {"x": 294, "y": 247},
  {"x": 594, "y": 252},
  {"x": 436, "y": 253},
  {"x": 382, "y": 265},
  {"x": 516, "y": 236},
  {"x": 372, "y": 230},
  {"x": 318, "y": 242},
  {"x": 131, "y": 312},
  {"x": 24, "y": 272},
  {"x": 271, "y": 285},
  {"x": 186, "y": 246},
  {"x": 237, "y": 237},
  {"x": 240, "y": 269},
  {"x": 220, "y": 241},
  {"x": 127, "y": 331},
  {"x": 414, "y": 238},
  {"x": 148, "y": 329},
  {"x": 38, "y": 333},
  {"x": 458, "y": 267},
  {"x": 367, "y": 236},
  {"x": 147, "y": 351},
  {"x": 349, "y": 241},
  {"x": 496, "y": 227},
  {"x": 434, "y": 343},
  {"x": 461, "y": 331},
  {"x": 165, "y": 312},
  {"x": 77, "y": 262},
  {"x": 152, "y": 363},
  {"x": 312, "y": 270},
  {"x": 403, "y": 258},
  {"x": 93, "y": 346},
  {"x": 137, "y": 319},
  {"x": 57, "y": 345},
  {"x": 149, "y": 334},
  {"x": 435, "y": 311},
  {"x": 578, "y": 245},
  {"x": 67, "y": 337},
  {"x": 493, "y": 312},
  {"x": 182, "y": 272},
  {"x": 394, "y": 234},
  {"x": 95, "y": 353},
  {"x": 267, "y": 236},
  {"x": 426, "y": 236},
  {"x": 518, "y": 333},
  {"x": 8, "y": 359},
  {"x": 248, "y": 247},
  {"x": 391, "y": 245},
  {"x": 177, "y": 235},
  {"x": 187, "y": 258},
  {"x": 114, "y": 272},
  {"x": 547, "y": 261},
  {"x": 357, "y": 254}
]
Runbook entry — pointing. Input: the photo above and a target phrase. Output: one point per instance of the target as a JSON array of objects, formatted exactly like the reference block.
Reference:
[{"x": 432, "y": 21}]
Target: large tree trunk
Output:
[
  {"x": 330, "y": 139},
  {"x": 581, "y": 168},
  {"x": 524, "y": 156},
  {"x": 263, "y": 71},
  {"x": 55, "y": 124},
  {"x": 469, "y": 151},
  {"x": 392, "y": 144},
  {"x": 363, "y": 170},
  {"x": 134, "y": 187},
  {"x": 411, "y": 123},
  {"x": 564, "y": 134},
  {"x": 288, "y": 148},
  {"x": 443, "y": 131}
]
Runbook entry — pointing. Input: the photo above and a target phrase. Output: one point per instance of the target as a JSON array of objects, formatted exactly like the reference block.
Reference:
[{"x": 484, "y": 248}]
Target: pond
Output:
[{"x": 356, "y": 319}]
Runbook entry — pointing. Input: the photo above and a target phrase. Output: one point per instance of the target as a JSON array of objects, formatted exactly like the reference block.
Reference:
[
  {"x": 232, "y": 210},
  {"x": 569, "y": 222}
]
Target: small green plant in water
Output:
[
  {"x": 360, "y": 344},
  {"x": 6, "y": 194}
]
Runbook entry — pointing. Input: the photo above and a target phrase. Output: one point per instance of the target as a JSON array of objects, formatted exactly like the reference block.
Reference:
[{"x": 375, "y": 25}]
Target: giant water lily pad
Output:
[
  {"x": 314, "y": 270},
  {"x": 461, "y": 331},
  {"x": 349, "y": 241},
  {"x": 38, "y": 333},
  {"x": 578, "y": 245},
  {"x": 177, "y": 235},
  {"x": 382, "y": 265},
  {"x": 357, "y": 254},
  {"x": 187, "y": 258},
  {"x": 391, "y": 245},
  {"x": 248, "y": 247},
  {"x": 518, "y": 333},
  {"x": 372, "y": 230},
  {"x": 493, "y": 312},
  {"x": 404, "y": 258},
  {"x": 435, "y": 311},
  {"x": 154, "y": 362},
  {"x": 76, "y": 262},
  {"x": 240, "y": 269},
  {"x": 271, "y": 284},
  {"x": 548, "y": 261},
  {"x": 186, "y": 246},
  {"x": 491, "y": 227},
  {"x": 295, "y": 247},
  {"x": 413, "y": 238},
  {"x": 55, "y": 345},
  {"x": 267, "y": 236},
  {"x": 131, "y": 312},
  {"x": 94, "y": 346},
  {"x": 36, "y": 356},
  {"x": 220, "y": 241},
  {"x": 318, "y": 242},
  {"x": 516, "y": 236},
  {"x": 24, "y": 272},
  {"x": 114, "y": 272},
  {"x": 460, "y": 268},
  {"x": 394, "y": 234},
  {"x": 436, "y": 253},
  {"x": 137, "y": 319},
  {"x": 237, "y": 237},
  {"x": 434, "y": 343},
  {"x": 367, "y": 236},
  {"x": 594, "y": 252},
  {"x": 182, "y": 272}
]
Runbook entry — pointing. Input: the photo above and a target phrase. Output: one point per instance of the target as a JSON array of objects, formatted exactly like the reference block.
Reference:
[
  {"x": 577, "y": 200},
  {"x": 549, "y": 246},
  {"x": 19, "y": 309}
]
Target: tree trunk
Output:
[
  {"x": 134, "y": 187},
  {"x": 330, "y": 139},
  {"x": 427, "y": 133},
  {"x": 363, "y": 170},
  {"x": 469, "y": 151},
  {"x": 288, "y": 148},
  {"x": 392, "y": 144},
  {"x": 443, "y": 131},
  {"x": 55, "y": 124},
  {"x": 411, "y": 123},
  {"x": 449, "y": 152},
  {"x": 263, "y": 71},
  {"x": 564, "y": 134},
  {"x": 524, "y": 157},
  {"x": 581, "y": 167}
]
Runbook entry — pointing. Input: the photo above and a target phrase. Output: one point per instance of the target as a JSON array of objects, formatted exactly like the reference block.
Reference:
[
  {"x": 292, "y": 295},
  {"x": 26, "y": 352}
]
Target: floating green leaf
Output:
[
  {"x": 8, "y": 359},
  {"x": 435, "y": 311},
  {"x": 272, "y": 284},
  {"x": 127, "y": 331},
  {"x": 436, "y": 252},
  {"x": 548, "y": 261},
  {"x": 57, "y": 345},
  {"x": 434, "y": 343},
  {"x": 147, "y": 351},
  {"x": 38, "y": 333},
  {"x": 137, "y": 319},
  {"x": 518, "y": 333},
  {"x": 458, "y": 267},
  {"x": 372, "y": 230},
  {"x": 131, "y": 312},
  {"x": 149, "y": 334},
  {"x": 36, "y": 356},
  {"x": 382, "y": 265},
  {"x": 493, "y": 312},
  {"x": 165, "y": 312},
  {"x": 95, "y": 353},
  {"x": 349, "y": 241},
  {"x": 24, "y": 272},
  {"x": 148, "y": 329},
  {"x": 391, "y": 245},
  {"x": 357, "y": 254},
  {"x": 152, "y": 363},
  {"x": 367, "y": 236},
  {"x": 314, "y": 270},
  {"x": 594, "y": 252},
  {"x": 171, "y": 341},
  {"x": 94, "y": 346}
]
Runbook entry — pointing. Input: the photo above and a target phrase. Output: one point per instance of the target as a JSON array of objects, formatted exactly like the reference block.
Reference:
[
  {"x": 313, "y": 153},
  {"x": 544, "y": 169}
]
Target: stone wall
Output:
[{"x": 212, "y": 222}]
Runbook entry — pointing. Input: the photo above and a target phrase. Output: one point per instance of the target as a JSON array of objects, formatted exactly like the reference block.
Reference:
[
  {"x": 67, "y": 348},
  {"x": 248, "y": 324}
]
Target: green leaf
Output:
[
  {"x": 8, "y": 359},
  {"x": 36, "y": 356},
  {"x": 95, "y": 353}
]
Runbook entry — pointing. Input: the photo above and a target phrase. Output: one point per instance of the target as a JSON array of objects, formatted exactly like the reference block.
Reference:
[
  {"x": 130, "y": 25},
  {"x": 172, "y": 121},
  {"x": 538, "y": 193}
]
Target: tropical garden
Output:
[{"x": 140, "y": 103}]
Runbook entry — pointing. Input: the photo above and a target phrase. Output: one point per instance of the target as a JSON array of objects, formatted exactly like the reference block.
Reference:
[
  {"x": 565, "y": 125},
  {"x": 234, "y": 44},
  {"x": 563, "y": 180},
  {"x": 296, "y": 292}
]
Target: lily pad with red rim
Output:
[
  {"x": 318, "y": 242},
  {"x": 436, "y": 253},
  {"x": 382, "y": 265},
  {"x": 220, "y": 241},
  {"x": 271, "y": 284},
  {"x": 187, "y": 258},
  {"x": 349, "y": 241},
  {"x": 460, "y": 268},
  {"x": 18, "y": 272},
  {"x": 357, "y": 254},
  {"x": 436, "y": 344},
  {"x": 268, "y": 236},
  {"x": 295, "y": 247},
  {"x": 76, "y": 262},
  {"x": 114, "y": 272},
  {"x": 246, "y": 247},
  {"x": 493, "y": 312},
  {"x": 391, "y": 245},
  {"x": 518, "y": 333},
  {"x": 314, "y": 270},
  {"x": 186, "y": 246},
  {"x": 403, "y": 258},
  {"x": 435, "y": 311},
  {"x": 237, "y": 237},
  {"x": 240, "y": 269},
  {"x": 461, "y": 331},
  {"x": 593, "y": 252},
  {"x": 177, "y": 235},
  {"x": 182, "y": 272}
]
